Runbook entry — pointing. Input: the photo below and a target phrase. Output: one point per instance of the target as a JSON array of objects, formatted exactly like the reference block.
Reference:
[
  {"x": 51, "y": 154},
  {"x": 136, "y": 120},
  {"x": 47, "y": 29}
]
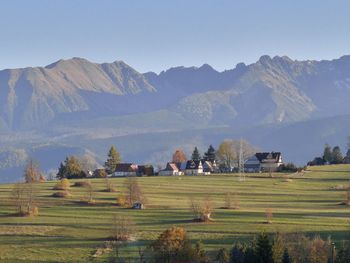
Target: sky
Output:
[{"x": 154, "y": 35}]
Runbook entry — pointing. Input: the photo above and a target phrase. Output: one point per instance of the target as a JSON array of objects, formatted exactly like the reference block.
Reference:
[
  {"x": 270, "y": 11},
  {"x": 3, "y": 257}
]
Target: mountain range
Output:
[{"x": 75, "y": 106}]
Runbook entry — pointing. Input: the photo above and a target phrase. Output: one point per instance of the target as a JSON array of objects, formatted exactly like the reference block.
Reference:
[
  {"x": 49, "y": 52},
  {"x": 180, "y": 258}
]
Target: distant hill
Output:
[{"x": 78, "y": 106}]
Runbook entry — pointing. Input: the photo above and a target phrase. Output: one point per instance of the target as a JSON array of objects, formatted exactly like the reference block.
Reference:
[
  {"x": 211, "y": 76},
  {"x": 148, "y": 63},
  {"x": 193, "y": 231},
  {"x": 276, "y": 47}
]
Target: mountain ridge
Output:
[{"x": 78, "y": 106}]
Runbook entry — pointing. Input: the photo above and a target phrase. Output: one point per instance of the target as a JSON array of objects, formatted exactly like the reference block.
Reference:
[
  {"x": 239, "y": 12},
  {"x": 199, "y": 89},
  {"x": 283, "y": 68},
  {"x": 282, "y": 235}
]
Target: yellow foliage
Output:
[
  {"x": 122, "y": 201},
  {"x": 62, "y": 185}
]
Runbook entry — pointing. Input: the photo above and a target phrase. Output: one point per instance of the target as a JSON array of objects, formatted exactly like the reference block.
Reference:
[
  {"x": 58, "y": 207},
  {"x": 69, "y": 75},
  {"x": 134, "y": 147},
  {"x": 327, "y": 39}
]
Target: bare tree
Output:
[
  {"x": 268, "y": 215},
  {"x": 134, "y": 192},
  {"x": 347, "y": 195},
  {"x": 202, "y": 211},
  {"x": 228, "y": 152},
  {"x": 23, "y": 196},
  {"x": 32, "y": 172},
  {"x": 123, "y": 228},
  {"x": 89, "y": 192},
  {"x": 109, "y": 186},
  {"x": 232, "y": 201}
]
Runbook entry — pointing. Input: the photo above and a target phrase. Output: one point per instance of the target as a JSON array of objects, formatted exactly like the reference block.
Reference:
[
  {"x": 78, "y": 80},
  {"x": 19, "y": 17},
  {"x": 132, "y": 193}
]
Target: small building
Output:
[
  {"x": 263, "y": 162},
  {"x": 125, "y": 169},
  {"x": 145, "y": 170},
  {"x": 252, "y": 165},
  {"x": 138, "y": 205},
  {"x": 194, "y": 167},
  {"x": 270, "y": 161},
  {"x": 208, "y": 167},
  {"x": 170, "y": 169}
]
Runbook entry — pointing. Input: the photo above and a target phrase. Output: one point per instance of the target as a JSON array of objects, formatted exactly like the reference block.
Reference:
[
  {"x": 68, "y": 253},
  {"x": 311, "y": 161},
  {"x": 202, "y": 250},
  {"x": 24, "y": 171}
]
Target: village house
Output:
[
  {"x": 194, "y": 167},
  {"x": 209, "y": 167},
  {"x": 264, "y": 162},
  {"x": 170, "y": 169},
  {"x": 145, "y": 170},
  {"x": 125, "y": 169}
]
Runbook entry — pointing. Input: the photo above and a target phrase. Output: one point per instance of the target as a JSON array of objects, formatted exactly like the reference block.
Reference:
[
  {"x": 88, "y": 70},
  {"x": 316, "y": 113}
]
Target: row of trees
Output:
[
  {"x": 227, "y": 153},
  {"x": 331, "y": 156},
  {"x": 174, "y": 245},
  {"x": 77, "y": 167}
]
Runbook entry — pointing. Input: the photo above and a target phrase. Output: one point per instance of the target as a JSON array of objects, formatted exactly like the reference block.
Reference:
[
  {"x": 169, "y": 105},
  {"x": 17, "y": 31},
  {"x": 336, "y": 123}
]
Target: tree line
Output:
[
  {"x": 175, "y": 245},
  {"x": 227, "y": 154},
  {"x": 332, "y": 156}
]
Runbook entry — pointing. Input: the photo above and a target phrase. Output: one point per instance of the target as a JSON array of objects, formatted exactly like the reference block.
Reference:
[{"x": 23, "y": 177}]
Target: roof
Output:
[
  {"x": 126, "y": 167},
  {"x": 193, "y": 165},
  {"x": 264, "y": 157},
  {"x": 171, "y": 167}
]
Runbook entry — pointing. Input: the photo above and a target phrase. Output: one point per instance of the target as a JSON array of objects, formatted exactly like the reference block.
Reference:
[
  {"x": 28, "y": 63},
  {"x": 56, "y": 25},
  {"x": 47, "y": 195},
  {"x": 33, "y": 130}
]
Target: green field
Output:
[{"x": 68, "y": 231}]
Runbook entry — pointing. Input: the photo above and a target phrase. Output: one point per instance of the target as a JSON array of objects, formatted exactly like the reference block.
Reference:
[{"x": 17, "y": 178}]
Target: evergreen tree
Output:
[
  {"x": 327, "y": 153},
  {"x": 199, "y": 252},
  {"x": 348, "y": 153},
  {"x": 286, "y": 258},
  {"x": 264, "y": 249},
  {"x": 337, "y": 156},
  {"x": 237, "y": 254},
  {"x": 210, "y": 155},
  {"x": 195, "y": 155},
  {"x": 61, "y": 171},
  {"x": 278, "y": 248},
  {"x": 112, "y": 160},
  {"x": 222, "y": 256},
  {"x": 70, "y": 169}
]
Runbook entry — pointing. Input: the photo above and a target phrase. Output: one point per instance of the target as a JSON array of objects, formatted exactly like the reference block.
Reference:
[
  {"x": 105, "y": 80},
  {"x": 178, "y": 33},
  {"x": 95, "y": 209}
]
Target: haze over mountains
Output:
[{"x": 76, "y": 106}]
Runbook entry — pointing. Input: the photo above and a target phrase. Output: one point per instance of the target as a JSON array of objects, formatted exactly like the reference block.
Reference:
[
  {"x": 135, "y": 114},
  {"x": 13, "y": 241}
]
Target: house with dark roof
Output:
[
  {"x": 170, "y": 169},
  {"x": 194, "y": 167},
  {"x": 263, "y": 161},
  {"x": 125, "y": 169},
  {"x": 145, "y": 170}
]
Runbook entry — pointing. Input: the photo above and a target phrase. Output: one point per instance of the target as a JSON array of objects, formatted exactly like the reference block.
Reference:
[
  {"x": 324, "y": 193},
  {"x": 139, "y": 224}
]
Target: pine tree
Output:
[
  {"x": 327, "y": 153},
  {"x": 71, "y": 168},
  {"x": 112, "y": 160},
  {"x": 195, "y": 155},
  {"x": 237, "y": 254},
  {"x": 61, "y": 171},
  {"x": 222, "y": 256},
  {"x": 199, "y": 252},
  {"x": 286, "y": 258},
  {"x": 264, "y": 249},
  {"x": 337, "y": 156},
  {"x": 210, "y": 155}
]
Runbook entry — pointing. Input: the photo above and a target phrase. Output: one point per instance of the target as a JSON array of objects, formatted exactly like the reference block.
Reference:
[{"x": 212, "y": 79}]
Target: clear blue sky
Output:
[{"x": 158, "y": 34}]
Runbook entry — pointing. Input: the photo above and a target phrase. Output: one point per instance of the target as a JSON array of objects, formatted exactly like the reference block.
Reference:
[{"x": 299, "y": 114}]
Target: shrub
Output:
[
  {"x": 122, "y": 201},
  {"x": 268, "y": 215},
  {"x": 202, "y": 211},
  {"x": 82, "y": 184},
  {"x": 231, "y": 201},
  {"x": 34, "y": 211},
  {"x": 62, "y": 185}
]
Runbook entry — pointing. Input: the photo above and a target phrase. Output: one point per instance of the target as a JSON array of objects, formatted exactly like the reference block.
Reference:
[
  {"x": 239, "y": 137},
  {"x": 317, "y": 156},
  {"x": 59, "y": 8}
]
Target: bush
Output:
[
  {"x": 268, "y": 215},
  {"x": 62, "y": 185},
  {"x": 34, "y": 211},
  {"x": 82, "y": 184},
  {"x": 288, "y": 168},
  {"x": 122, "y": 201}
]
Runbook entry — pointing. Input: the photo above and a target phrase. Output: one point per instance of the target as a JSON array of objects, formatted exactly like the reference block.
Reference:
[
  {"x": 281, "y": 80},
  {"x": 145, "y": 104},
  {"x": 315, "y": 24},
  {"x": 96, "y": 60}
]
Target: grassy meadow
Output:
[{"x": 67, "y": 230}]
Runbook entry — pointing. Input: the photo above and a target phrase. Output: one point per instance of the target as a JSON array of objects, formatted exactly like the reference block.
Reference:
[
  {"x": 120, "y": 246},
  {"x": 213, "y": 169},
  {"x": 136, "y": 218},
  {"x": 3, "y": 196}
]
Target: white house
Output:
[
  {"x": 194, "y": 167},
  {"x": 171, "y": 169},
  {"x": 264, "y": 161},
  {"x": 126, "y": 169}
]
